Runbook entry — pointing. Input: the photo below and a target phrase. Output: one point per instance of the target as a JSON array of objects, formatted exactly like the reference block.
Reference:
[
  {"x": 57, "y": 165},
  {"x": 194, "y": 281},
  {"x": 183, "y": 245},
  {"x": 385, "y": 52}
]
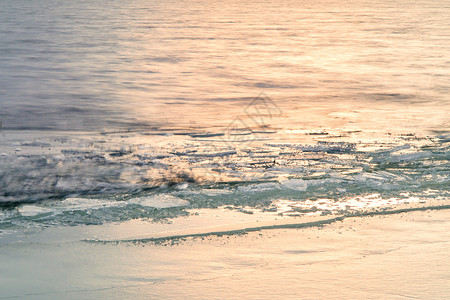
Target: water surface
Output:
[{"x": 150, "y": 110}]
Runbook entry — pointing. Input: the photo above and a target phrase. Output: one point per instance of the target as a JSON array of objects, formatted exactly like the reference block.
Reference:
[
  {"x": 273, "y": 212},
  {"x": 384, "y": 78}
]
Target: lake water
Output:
[{"x": 113, "y": 111}]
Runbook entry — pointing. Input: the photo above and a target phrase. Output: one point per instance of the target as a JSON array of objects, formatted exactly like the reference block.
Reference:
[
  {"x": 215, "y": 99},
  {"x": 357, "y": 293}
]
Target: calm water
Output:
[{"x": 119, "y": 110}]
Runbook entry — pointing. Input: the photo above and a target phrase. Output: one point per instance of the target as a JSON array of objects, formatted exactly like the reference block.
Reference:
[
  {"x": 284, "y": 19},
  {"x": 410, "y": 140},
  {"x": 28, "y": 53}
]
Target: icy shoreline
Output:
[{"x": 381, "y": 256}]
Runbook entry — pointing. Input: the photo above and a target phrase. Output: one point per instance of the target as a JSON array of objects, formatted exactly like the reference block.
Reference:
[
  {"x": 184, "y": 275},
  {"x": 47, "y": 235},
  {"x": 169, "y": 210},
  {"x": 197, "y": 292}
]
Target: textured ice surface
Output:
[
  {"x": 159, "y": 201},
  {"x": 87, "y": 180}
]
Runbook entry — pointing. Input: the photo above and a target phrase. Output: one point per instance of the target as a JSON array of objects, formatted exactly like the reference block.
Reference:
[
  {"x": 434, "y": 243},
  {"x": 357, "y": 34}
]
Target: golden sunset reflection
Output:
[{"x": 203, "y": 149}]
